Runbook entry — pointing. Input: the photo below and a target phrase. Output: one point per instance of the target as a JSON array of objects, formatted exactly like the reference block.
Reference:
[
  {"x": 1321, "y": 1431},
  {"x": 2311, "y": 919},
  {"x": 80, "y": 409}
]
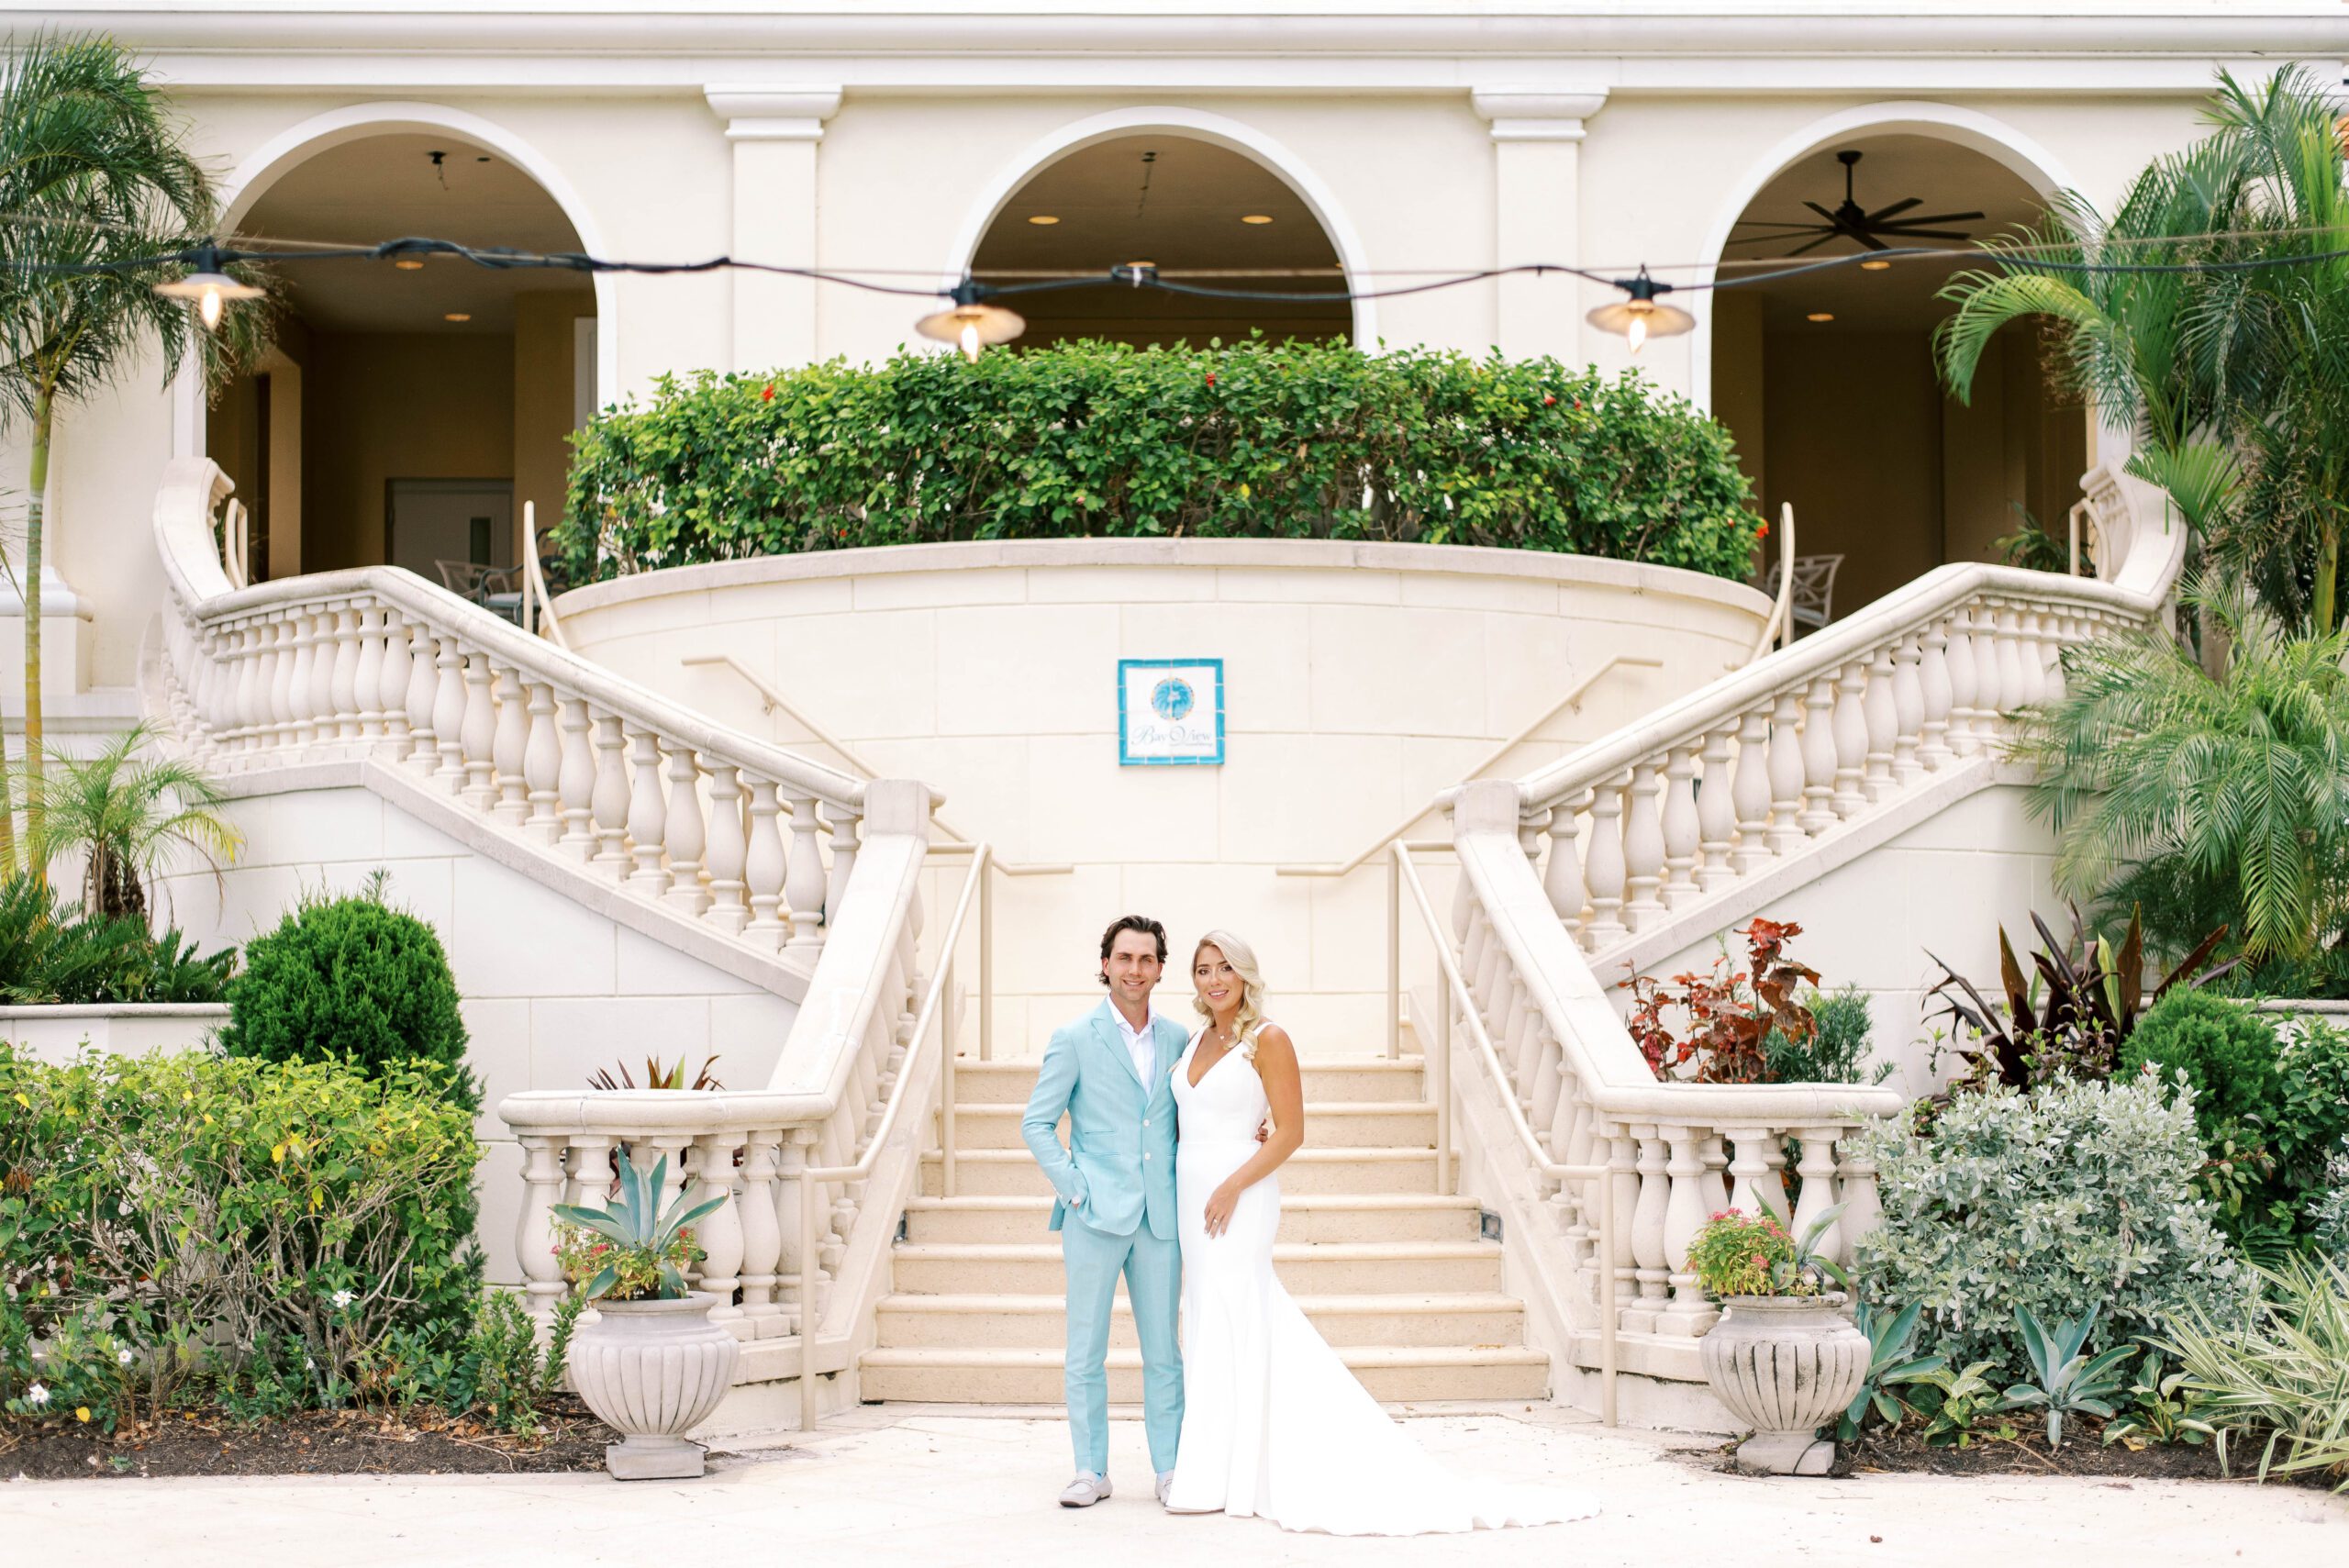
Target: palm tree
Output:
[
  {"x": 128, "y": 815},
  {"x": 2207, "y": 799},
  {"x": 94, "y": 181}
]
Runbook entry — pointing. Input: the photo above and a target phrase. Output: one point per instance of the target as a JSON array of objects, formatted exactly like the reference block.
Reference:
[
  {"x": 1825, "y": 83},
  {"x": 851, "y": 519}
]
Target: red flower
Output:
[
  {"x": 1210, "y": 378},
  {"x": 1763, "y": 532},
  {"x": 766, "y": 393},
  {"x": 1578, "y": 404},
  {"x": 1549, "y": 399}
]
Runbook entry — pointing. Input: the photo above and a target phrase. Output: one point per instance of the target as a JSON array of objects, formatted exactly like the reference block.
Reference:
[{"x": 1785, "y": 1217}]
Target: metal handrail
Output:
[
  {"x": 941, "y": 986},
  {"x": 1440, "y": 1069},
  {"x": 538, "y": 605},
  {"x": 1780, "y": 627}
]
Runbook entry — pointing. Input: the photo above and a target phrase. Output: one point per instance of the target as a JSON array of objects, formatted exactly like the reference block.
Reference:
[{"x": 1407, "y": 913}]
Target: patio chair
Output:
[
  {"x": 498, "y": 589},
  {"x": 1814, "y": 590}
]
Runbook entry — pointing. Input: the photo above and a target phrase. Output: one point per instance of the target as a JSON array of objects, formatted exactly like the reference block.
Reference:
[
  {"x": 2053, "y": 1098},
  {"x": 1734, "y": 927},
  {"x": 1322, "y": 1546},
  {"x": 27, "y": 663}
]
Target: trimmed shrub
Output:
[
  {"x": 349, "y": 980},
  {"x": 1249, "y": 440},
  {"x": 2067, "y": 1198},
  {"x": 2222, "y": 1050},
  {"x": 249, "y": 1227}
]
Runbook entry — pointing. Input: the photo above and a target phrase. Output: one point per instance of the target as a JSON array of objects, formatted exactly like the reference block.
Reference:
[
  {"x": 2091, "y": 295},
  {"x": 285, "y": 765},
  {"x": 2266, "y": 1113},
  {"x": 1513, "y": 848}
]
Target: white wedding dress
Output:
[{"x": 1273, "y": 1423}]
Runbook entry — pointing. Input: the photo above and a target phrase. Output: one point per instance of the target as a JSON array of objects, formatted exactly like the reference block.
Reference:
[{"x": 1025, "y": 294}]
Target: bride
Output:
[{"x": 1272, "y": 1422}]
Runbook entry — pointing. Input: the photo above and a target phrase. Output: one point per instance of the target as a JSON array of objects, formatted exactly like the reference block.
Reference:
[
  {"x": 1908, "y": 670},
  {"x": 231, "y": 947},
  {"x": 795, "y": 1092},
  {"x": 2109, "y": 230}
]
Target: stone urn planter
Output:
[
  {"x": 1786, "y": 1365},
  {"x": 654, "y": 1370}
]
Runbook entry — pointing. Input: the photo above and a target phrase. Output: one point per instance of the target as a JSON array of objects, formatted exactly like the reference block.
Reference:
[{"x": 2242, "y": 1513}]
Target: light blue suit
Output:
[{"x": 1116, "y": 1215}]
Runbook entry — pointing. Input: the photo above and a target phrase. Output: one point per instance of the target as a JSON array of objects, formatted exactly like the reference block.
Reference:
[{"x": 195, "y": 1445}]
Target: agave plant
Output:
[
  {"x": 2070, "y": 1381},
  {"x": 630, "y": 1250},
  {"x": 2070, "y": 1015},
  {"x": 1889, "y": 1366}
]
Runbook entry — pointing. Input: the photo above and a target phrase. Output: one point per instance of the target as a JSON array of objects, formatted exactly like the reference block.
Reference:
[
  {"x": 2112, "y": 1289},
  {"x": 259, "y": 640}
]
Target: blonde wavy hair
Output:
[{"x": 1242, "y": 958}]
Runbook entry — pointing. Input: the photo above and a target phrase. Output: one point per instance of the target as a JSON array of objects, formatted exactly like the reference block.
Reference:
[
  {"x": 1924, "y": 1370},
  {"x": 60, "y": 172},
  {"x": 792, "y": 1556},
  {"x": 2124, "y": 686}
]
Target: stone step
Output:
[
  {"x": 997, "y": 1173},
  {"x": 1304, "y": 1216},
  {"x": 1319, "y": 1268},
  {"x": 1040, "y": 1322},
  {"x": 1333, "y": 1078},
  {"x": 1033, "y": 1376},
  {"x": 1329, "y": 1124}
]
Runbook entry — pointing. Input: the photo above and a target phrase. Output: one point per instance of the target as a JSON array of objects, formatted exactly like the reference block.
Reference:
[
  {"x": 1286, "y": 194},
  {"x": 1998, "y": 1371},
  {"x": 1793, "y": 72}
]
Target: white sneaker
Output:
[
  {"x": 1084, "y": 1490},
  {"x": 1165, "y": 1484}
]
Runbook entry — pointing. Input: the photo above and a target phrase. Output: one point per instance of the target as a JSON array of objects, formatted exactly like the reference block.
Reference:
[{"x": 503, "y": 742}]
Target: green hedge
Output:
[{"x": 1252, "y": 441}]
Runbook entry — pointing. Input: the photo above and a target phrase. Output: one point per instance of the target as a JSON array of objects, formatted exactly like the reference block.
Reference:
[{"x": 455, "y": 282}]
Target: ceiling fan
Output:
[{"x": 1851, "y": 221}]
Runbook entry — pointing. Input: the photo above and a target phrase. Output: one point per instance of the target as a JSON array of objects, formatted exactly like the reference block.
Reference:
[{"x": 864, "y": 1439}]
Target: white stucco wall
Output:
[
  {"x": 551, "y": 990},
  {"x": 1360, "y": 681}
]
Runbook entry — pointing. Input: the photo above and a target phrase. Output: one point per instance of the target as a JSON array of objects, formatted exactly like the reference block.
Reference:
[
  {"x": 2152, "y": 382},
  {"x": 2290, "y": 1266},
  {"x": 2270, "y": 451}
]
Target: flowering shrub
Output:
[
  {"x": 1250, "y": 440},
  {"x": 251, "y": 1225},
  {"x": 2065, "y": 1199},
  {"x": 583, "y": 1256},
  {"x": 1739, "y": 1255}
]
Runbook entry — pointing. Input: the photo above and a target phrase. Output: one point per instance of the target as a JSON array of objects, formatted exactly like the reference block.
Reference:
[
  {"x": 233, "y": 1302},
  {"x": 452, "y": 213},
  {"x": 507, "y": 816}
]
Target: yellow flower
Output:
[
  {"x": 277, "y": 1155},
  {"x": 24, "y": 1102},
  {"x": 81, "y": 1412}
]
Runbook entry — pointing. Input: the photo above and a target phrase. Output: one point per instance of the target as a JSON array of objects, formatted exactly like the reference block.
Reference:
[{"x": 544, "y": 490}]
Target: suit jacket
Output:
[{"x": 1119, "y": 1167}]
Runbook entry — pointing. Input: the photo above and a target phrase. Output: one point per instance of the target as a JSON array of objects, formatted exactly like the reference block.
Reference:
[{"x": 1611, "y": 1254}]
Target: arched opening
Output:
[
  {"x": 1205, "y": 213},
  {"x": 1828, "y": 382},
  {"x": 410, "y": 412}
]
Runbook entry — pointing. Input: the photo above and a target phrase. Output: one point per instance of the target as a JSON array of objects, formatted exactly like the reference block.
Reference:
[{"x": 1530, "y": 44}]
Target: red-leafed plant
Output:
[{"x": 1731, "y": 1014}]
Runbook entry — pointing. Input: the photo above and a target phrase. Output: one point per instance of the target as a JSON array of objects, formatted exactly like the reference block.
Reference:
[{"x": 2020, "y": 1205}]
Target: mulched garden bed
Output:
[
  {"x": 340, "y": 1442},
  {"x": 2084, "y": 1453}
]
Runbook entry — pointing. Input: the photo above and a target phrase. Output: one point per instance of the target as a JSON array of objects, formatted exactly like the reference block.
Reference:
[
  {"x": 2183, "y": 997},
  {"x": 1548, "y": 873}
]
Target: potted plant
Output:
[
  {"x": 1783, "y": 1358},
  {"x": 651, "y": 1363}
]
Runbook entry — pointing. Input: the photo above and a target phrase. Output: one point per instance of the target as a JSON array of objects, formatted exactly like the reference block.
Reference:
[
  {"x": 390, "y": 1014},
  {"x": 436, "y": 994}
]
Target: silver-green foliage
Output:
[
  {"x": 2068, "y": 1198},
  {"x": 2275, "y": 1379},
  {"x": 2329, "y": 1212}
]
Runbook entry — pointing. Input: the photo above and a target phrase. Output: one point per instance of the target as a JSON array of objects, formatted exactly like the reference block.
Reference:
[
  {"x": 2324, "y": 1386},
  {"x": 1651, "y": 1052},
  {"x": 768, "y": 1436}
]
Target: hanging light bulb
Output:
[
  {"x": 972, "y": 323},
  {"x": 1641, "y": 318},
  {"x": 208, "y": 288}
]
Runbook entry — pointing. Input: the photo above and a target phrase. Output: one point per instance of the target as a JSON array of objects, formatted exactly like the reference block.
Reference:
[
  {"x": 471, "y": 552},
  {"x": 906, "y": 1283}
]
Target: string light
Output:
[
  {"x": 1639, "y": 318},
  {"x": 208, "y": 288},
  {"x": 972, "y": 323}
]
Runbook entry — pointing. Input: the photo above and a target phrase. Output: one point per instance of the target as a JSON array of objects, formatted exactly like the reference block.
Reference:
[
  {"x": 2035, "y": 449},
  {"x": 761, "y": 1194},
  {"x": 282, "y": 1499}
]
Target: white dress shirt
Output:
[{"x": 1141, "y": 1044}]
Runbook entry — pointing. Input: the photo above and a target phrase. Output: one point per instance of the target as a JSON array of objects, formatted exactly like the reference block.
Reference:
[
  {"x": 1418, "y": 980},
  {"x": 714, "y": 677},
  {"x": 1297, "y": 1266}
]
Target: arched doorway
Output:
[
  {"x": 1828, "y": 378},
  {"x": 1204, "y": 213},
  {"x": 410, "y": 411}
]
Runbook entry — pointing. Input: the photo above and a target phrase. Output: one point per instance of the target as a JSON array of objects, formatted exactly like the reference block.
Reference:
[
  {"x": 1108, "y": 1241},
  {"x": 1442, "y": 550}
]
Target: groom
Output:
[{"x": 1111, "y": 1070}]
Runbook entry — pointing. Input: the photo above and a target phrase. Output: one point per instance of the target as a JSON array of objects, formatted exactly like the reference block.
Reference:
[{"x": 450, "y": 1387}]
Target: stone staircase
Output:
[{"x": 1401, "y": 1281}]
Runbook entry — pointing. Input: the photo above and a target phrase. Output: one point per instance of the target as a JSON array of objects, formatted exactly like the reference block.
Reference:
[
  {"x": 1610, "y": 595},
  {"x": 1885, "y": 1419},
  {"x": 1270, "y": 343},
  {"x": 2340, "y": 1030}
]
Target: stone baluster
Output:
[
  {"x": 272, "y": 683},
  {"x": 367, "y": 677},
  {"x": 2063, "y": 630},
  {"x": 575, "y": 781},
  {"x": 1603, "y": 867},
  {"x": 719, "y": 1232},
  {"x": 646, "y": 816},
  {"x": 1881, "y": 719},
  {"x": 392, "y": 676},
  {"x": 1863, "y": 1210},
  {"x": 1908, "y": 695},
  {"x": 1623, "y": 1158},
  {"x": 338, "y": 670},
  {"x": 728, "y": 851},
  {"x": 1933, "y": 692},
  {"x": 1562, "y": 876},
  {"x": 423, "y": 690},
  {"x": 452, "y": 701},
  {"x": 480, "y": 736},
  {"x": 1965, "y": 731},
  {"x": 1819, "y": 757},
  {"x": 1520, "y": 1041},
  {"x": 1994, "y": 675},
  {"x": 1682, "y": 833},
  {"x": 1686, "y": 1212},
  {"x": 1849, "y": 727},
  {"x": 762, "y": 1235},
  {"x": 764, "y": 866},
  {"x": 534, "y": 1227},
  {"x": 1717, "y": 812},
  {"x": 509, "y": 743},
  {"x": 842, "y": 820},
  {"x": 1750, "y": 791},
  {"x": 2031, "y": 656},
  {"x": 1643, "y": 847},
  {"x": 1788, "y": 771},
  {"x": 1549, "y": 1078},
  {"x": 1650, "y": 1273},
  {"x": 541, "y": 765},
  {"x": 593, "y": 1170},
  {"x": 1817, "y": 1168},
  {"x": 792, "y": 1285},
  {"x": 804, "y": 896},
  {"x": 301, "y": 707},
  {"x": 1756, "y": 1186},
  {"x": 686, "y": 837},
  {"x": 610, "y": 801},
  {"x": 265, "y": 683}
]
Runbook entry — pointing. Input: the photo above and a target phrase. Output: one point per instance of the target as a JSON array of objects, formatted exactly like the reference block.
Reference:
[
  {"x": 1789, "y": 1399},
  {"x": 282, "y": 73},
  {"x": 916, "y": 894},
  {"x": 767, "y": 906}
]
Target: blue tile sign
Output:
[{"x": 1169, "y": 712}]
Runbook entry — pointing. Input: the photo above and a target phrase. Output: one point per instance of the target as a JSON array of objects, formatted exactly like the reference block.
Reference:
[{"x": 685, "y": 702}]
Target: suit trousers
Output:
[{"x": 1154, "y": 1271}]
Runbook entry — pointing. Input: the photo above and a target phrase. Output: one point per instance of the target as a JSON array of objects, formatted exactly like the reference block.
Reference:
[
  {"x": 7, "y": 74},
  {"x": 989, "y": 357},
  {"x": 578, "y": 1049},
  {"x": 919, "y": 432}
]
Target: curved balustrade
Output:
[{"x": 377, "y": 663}]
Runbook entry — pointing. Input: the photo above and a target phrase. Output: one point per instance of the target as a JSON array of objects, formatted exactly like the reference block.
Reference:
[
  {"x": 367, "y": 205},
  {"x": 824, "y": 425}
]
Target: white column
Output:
[
  {"x": 774, "y": 132},
  {"x": 1537, "y": 168}
]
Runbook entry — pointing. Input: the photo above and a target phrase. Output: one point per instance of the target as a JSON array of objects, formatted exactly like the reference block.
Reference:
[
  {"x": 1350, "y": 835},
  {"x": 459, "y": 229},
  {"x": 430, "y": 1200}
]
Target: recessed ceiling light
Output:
[
  {"x": 1874, "y": 266},
  {"x": 1821, "y": 316},
  {"x": 409, "y": 263},
  {"x": 1043, "y": 219},
  {"x": 458, "y": 316},
  {"x": 1256, "y": 217}
]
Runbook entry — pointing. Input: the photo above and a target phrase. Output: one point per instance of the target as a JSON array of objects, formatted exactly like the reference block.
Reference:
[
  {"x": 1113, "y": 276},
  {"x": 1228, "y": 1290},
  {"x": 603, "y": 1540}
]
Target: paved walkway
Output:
[{"x": 926, "y": 1488}]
